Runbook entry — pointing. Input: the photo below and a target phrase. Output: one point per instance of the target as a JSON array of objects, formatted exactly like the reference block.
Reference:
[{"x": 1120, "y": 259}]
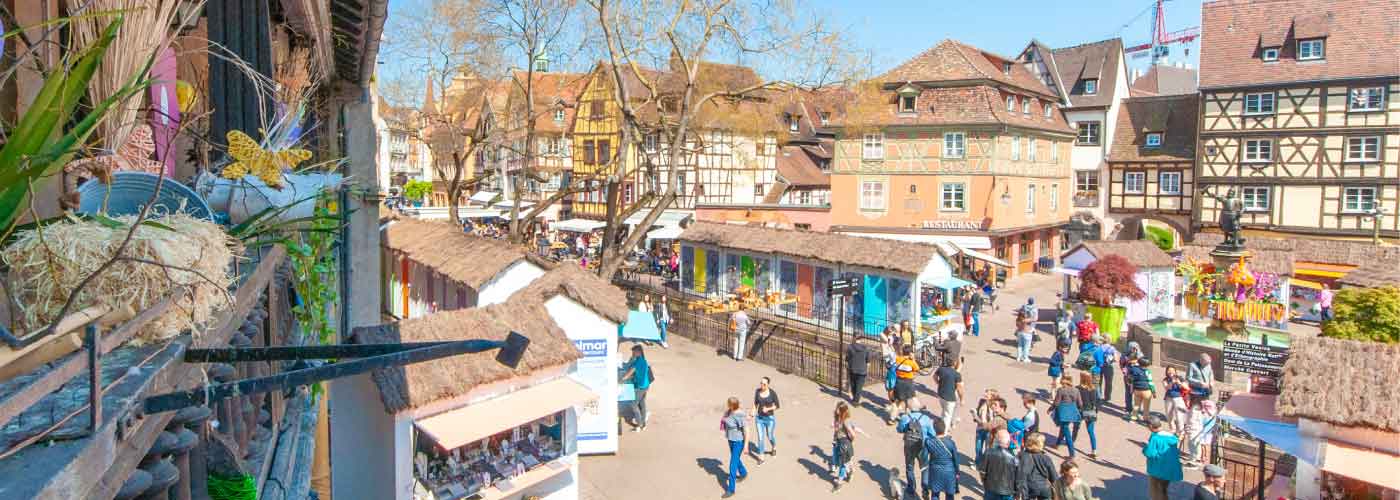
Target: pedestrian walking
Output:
[
  {"x": 843, "y": 445},
  {"x": 645, "y": 304},
  {"x": 1088, "y": 412},
  {"x": 1108, "y": 369},
  {"x": 1067, "y": 407},
  {"x": 1324, "y": 303},
  {"x": 1125, "y": 363},
  {"x": 1070, "y": 486},
  {"x": 765, "y": 405},
  {"x": 998, "y": 469},
  {"x": 889, "y": 354},
  {"x": 1057, "y": 365},
  {"x": 1029, "y": 311},
  {"x": 1143, "y": 389},
  {"x": 739, "y": 323},
  {"x": 915, "y": 425},
  {"x": 637, "y": 371},
  {"x": 942, "y": 473},
  {"x": 663, "y": 319},
  {"x": 906, "y": 333},
  {"x": 1200, "y": 431},
  {"x": 989, "y": 415},
  {"x": 857, "y": 365},
  {"x": 1163, "y": 459},
  {"x": 1174, "y": 390},
  {"x": 1035, "y": 473},
  {"x": 1200, "y": 376},
  {"x": 734, "y": 426},
  {"x": 905, "y": 370},
  {"x": 1025, "y": 337},
  {"x": 1210, "y": 488},
  {"x": 950, "y": 389}
]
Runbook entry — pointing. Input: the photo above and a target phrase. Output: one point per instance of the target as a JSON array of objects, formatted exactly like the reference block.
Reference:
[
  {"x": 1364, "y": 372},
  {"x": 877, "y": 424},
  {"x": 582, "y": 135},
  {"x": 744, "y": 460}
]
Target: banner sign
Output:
[
  {"x": 1254, "y": 359},
  {"x": 597, "y": 369}
]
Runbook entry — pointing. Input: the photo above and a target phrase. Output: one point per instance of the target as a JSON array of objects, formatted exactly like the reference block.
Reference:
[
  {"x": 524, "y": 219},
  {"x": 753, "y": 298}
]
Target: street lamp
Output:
[{"x": 1006, "y": 195}]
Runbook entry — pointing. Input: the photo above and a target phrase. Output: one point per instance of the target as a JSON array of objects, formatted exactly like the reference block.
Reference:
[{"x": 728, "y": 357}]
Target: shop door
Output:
[
  {"x": 875, "y": 304},
  {"x": 804, "y": 290}
]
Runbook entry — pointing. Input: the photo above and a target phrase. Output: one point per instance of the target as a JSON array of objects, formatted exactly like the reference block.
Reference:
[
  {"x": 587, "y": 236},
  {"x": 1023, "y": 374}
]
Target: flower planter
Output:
[
  {"x": 243, "y": 198},
  {"x": 1109, "y": 319}
]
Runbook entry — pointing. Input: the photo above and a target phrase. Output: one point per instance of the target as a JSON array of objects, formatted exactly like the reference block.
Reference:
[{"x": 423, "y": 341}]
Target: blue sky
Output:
[{"x": 897, "y": 30}]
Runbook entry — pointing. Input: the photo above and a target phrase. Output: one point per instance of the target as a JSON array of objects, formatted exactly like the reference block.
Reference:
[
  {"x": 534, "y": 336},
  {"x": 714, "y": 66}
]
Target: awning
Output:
[
  {"x": 1302, "y": 283},
  {"x": 483, "y": 197},
  {"x": 1254, "y": 414},
  {"x": 1375, "y": 467},
  {"x": 505, "y": 205},
  {"x": 667, "y": 217},
  {"x": 467, "y": 424},
  {"x": 978, "y": 242},
  {"x": 477, "y": 213},
  {"x": 665, "y": 233},
  {"x": 1067, "y": 271},
  {"x": 947, "y": 282},
  {"x": 578, "y": 225},
  {"x": 1322, "y": 269},
  {"x": 982, "y": 256}
]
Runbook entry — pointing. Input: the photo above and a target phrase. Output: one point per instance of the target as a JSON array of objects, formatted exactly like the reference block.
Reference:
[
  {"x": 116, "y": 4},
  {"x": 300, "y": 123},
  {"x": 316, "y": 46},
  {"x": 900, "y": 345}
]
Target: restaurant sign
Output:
[
  {"x": 953, "y": 225},
  {"x": 1254, "y": 359}
]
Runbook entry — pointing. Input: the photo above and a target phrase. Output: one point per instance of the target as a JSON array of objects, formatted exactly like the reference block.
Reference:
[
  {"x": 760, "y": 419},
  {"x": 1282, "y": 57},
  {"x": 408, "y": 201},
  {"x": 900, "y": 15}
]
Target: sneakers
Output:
[{"x": 727, "y": 494}]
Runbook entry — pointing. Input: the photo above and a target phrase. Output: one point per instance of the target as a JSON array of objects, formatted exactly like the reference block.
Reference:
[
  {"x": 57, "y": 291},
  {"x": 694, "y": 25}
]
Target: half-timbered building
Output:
[
  {"x": 1151, "y": 170},
  {"x": 1299, "y": 115},
  {"x": 956, "y": 145},
  {"x": 555, "y": 96}
]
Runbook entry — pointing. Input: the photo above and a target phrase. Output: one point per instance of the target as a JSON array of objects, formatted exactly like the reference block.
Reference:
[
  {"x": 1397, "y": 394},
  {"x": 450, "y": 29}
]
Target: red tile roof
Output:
[
  {"x": 1089, "y": 61},
  {"x": 972, "y": 105},
  {"x": 1162, "y": 79},
  {"x": 951, "y": 61},
  {"x": 551, "y": 89},
  {"x": 1173, "y": 116},
  {"x": 1362, "y": 40},
  {"x": 798, "y": 169}
]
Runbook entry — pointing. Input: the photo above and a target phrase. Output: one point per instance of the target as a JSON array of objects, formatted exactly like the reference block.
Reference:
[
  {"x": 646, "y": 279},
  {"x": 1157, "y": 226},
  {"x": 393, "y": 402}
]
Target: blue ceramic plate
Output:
[{"x": 130, "y": 191}]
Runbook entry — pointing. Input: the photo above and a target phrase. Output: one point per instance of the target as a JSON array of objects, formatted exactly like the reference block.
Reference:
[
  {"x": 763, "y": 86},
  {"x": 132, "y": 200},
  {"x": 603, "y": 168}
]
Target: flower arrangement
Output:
[{"x": 1236, "y": 294}]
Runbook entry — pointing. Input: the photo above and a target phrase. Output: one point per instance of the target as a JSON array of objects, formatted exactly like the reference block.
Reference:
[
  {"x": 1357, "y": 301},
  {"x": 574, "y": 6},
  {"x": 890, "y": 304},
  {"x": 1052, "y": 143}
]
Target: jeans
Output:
[
  {"x": 1106, "y": 387},
  {"x": 641, "y": 407},
  {"x": 1127, "y": 396},
  {"x": 736, "y": 464},
  {"x": 1023, "y": 346},
  {"x": 842, "y": 472},
  {"x": 857, "y": 383},
  {"x": 1067, "y": 433},
  {"x": 1093, "y": 438},
  {"x": 766, "y": 437},
  {"x": 976, "y": 325},
  {"x": 994, "y": 496},
  {"x": 979, "y": 444},
  {"x": 914, "y": 462},
  {"x": 663, "y": 324}
]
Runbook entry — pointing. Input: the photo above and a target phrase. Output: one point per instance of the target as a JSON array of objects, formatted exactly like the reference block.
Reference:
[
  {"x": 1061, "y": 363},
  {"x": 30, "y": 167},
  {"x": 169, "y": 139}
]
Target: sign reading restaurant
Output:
[{"x": 953, "y": 225}]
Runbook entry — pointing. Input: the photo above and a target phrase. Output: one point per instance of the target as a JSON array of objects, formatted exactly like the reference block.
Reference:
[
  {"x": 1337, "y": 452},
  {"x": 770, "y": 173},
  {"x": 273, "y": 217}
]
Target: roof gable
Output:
[
  {"x": 1234, "y": 32},
  {"x": 1090, "y": 61},
  {"x": 1174, "y": 117}
]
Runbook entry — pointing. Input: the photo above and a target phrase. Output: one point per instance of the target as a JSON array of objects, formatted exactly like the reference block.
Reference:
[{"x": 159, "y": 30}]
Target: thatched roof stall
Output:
[
  {"x": 898, "y": 256},
  {"x": 583, "y": 287},
  {"x": 417, "y": 385},
  {"x": 1141, "y": 253},
  {"x": 471, "y": 260},
  {"x": 1342, "y": 382},
  {"x": 1374, "y": 274}
]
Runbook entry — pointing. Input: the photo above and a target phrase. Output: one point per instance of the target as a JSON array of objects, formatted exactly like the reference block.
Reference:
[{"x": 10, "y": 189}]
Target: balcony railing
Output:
[{"x": 1088, "y": 199}]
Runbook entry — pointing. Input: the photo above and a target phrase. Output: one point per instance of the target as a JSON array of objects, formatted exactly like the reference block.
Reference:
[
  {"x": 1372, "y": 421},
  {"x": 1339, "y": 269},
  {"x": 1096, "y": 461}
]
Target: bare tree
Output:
[{"x": 793, "y": 47}]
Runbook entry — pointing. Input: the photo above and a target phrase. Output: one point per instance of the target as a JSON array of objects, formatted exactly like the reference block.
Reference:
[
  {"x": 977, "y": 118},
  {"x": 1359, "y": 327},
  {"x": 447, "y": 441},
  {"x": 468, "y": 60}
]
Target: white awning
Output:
[
  {"x": 477, "y": 213},
  {"x": 667, "y": 217},
  {"x": 483, "y": 197},
  {"x": 578, "y": 225},
  {"x": 982, "y": 256},
  {"x": 665, "y": 233},
  {"x": 505, "y": 205},
  {"x": 465, "y": 425},
  {"x": 1066, "y": 271},
  {"x": 978, "y": 242}
]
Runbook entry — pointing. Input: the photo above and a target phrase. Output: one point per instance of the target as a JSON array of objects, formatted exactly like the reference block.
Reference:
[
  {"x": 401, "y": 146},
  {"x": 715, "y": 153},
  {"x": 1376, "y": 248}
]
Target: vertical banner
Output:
[
  {"x": 700, "y": 278},
  {"x": 597, "y": 420}
]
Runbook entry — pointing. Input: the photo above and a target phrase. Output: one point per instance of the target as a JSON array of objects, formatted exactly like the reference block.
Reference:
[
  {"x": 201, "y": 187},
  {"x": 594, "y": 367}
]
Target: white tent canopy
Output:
[
  {"x": 483, "y": 197},
  {"x": 665, "y": 233},
  {"x": 667, "y": 218},
  {"x": 578, "y": 225}
]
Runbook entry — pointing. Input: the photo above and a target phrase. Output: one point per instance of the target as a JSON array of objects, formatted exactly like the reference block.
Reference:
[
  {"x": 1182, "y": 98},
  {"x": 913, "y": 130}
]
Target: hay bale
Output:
[{"x": 193, "y": 261}]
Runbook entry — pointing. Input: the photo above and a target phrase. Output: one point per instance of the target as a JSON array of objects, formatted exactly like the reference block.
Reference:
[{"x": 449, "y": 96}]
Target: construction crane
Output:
[{"x": 1158, "y": 48}]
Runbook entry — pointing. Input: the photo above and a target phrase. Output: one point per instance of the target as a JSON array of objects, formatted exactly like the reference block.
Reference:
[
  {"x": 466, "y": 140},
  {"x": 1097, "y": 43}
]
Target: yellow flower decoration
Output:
[{"x": 251, "y": 158}]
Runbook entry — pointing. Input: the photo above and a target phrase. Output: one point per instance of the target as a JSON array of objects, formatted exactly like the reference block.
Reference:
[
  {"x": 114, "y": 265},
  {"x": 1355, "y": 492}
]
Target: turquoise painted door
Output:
[{"x": 875, "y": 304}]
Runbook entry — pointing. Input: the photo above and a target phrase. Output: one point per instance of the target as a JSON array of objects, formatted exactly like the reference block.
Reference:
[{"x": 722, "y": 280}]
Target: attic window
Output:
[
  {"x": 791, "y": 121},
  {"x": 1026, "y": 107},
  {"x": 1011, "y": 104},
  {"x": 1091, "y": 86},
  {"x": 1310, "y": 49},
  {"x": 907, "y": 103},
  {"x": 825, "y": 117},
  {"x": 1006, "y": 68},
  {"x": 1154, "y": 140},
  {"x": 559, "y": 115},
  {"x": 1048, "y": 110},
  {"x": 1270, "y": 54}
]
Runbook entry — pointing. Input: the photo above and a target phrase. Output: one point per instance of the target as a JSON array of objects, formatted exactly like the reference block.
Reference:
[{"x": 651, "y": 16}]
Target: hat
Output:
[{"x": 1213, "y": 470}]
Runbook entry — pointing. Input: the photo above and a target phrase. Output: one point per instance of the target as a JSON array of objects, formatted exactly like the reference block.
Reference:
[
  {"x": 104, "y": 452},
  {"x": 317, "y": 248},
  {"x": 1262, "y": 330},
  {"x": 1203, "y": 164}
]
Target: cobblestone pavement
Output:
[{"x": 682, "y": 454}]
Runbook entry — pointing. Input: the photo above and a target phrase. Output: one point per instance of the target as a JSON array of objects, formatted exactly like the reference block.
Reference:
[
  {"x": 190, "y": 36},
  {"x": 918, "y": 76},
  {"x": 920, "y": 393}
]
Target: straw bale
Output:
[
  {"x": 470, "y": 259},
  {"x": 48, "y": 264},
  {"x": 408, "y": 387},
  {"x": 899, "y": 256},
  {"x": 582, "y": 286},
  {"x": 1374, "y": 274},
  {"x": 1368, "y": 395}
]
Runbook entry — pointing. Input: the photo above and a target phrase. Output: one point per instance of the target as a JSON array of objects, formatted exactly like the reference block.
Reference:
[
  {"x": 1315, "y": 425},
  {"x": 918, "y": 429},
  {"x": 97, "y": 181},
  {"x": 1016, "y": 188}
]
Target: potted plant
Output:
[
  {"x": 415, "y": 191},
  {"x": 1105, "y": 282}
]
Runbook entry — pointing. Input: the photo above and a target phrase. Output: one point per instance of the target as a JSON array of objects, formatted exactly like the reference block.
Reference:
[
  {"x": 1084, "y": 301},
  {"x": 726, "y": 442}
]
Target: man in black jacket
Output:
[
  {"x": 857, "y": 361},
  {"x": 998, "y": 469}
]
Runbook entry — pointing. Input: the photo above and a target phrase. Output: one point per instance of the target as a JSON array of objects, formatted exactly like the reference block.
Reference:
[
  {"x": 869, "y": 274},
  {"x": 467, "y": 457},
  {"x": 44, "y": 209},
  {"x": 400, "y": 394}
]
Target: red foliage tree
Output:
[{"x": 1109, "y": 279}]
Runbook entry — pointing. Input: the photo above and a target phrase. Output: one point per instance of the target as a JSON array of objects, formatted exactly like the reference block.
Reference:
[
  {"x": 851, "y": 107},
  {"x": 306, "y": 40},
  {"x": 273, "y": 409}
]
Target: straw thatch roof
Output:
[
  {"x": 583, "y": 287},
  {"x": 1367, "y": 395},
  {"x": 1279, "y": 262},
  {"x": 899, "y": 256},
  {"x": 1140, "y": 253},
  {"x": 471, "y": 260},
  {"x": 1316, "y": 250},
  {"x": 1374, "y": 274},
  {"x": 413, "y": 386}
]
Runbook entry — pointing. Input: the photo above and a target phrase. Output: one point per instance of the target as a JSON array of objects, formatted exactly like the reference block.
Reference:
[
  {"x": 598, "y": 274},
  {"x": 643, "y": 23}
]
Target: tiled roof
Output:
[
  {"x": 798, "y": 169},
  {"x": 552, "y": 88},
  {"x": 1141, "y": 253},
  {"x": 952, "y": 60},
  {"x": 1097, "y": 60},
  {"x": 1163, "y": 79},
  {"x": 1362, "y": 37},
  {"x": 1174, "y": 116},
  {"x": 899, "y": 256},
  {"x": 972, "y": 105}
]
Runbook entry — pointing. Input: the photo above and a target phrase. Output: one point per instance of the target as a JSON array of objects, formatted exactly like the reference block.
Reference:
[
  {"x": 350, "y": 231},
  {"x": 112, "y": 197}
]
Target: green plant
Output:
[
  {"x": 1368, "y": 314},
  {"x": 1108, "y": 279},
  {"x": 1162, "y": 237},
  {"x": 312, "y": 254},
  {"x": 38, "y": 145},
  {"x": 417, "y": 190}
]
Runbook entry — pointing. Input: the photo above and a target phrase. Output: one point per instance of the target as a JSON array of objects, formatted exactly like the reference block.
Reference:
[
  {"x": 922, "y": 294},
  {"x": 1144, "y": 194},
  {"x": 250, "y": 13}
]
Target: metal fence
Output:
[{"x": 1250, "y": 464}]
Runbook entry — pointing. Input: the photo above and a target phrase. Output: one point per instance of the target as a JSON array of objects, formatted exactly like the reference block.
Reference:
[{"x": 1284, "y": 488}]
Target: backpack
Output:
[
  {"x": 914, "y": 434},
  {"x": 1085, "y": 361}
]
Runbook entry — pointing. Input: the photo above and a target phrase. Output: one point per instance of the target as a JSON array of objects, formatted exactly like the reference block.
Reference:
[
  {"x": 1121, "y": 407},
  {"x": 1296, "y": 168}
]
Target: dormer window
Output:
[
  {"x": 1091, "y": 86},
  {"x": 1310, "y": 49},
  {"x": 1026, "y": 107},
  {"x": 1006, "y": 68},
  {"x": 559, "y": 115},
  {"x": 906, "y": 103},
  {"x": 1269, "y": 54},
  {"x": 824, "y": 117},
  {"x": 1011, "y": 104},
  {"x": 1154, "y": 140},
  {"x": 792, "y": 122},
  {"x": 1048, "y": 111}
]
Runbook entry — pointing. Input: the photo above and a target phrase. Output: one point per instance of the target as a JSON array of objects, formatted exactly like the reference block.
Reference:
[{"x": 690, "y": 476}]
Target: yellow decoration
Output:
[
  {"x": 1240, "y": 275},
  {"x": 184, "y": 93},
  {"x": 253, "y": 159}
]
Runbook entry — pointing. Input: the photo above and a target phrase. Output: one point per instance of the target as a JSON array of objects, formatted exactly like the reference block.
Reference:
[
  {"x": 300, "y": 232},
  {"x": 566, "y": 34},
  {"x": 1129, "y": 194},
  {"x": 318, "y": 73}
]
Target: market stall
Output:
[{"x": 1154, "y": 276}]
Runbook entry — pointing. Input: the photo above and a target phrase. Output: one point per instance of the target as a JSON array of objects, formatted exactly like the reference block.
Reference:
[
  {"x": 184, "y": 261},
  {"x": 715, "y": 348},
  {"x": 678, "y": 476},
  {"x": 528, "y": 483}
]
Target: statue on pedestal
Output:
[{"x": 1231, "y": 210}]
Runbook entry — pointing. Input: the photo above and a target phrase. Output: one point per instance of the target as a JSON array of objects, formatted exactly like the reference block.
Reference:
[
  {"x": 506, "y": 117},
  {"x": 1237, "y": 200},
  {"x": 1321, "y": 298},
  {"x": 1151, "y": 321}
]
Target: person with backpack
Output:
[
  {"x": 1125, "y": 362},
  {"x": 1035, "y": 473},
  {"x": 1067, "y": 407},
  {"x": 1143, "y": 388},
  {"x": 942, "y": 473},
  {"x": 638, "y": 372},
  {"x": 765, "y": 404},
  {"x": 915, "y": 424},
  {"x": 843, "y": 444},
  {"x": 733, "y": 425},
  {"x": 1108, "y": 368},
  {"x": 1057, "y": 365}
]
